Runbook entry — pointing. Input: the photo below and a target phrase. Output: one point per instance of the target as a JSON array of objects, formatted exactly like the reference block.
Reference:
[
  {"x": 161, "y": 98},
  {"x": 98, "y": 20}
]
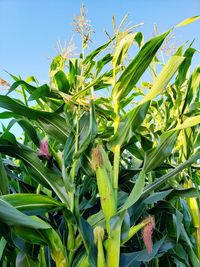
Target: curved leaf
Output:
[
  {"x": 187, "y": 21},
  {"x": 129, "y": 123},
  {"x": 62, "y": 81},
  {"x": 38, "y": 171},
  {"x": 136, "y": 192},
  {"x": 11, "y": 216},
  {"x": 25, "y": 260},
  {"x": 137, "y": 67},
  {"x": 163, "y": 78},
  {"x": 88, "y": 130},
  {"x": 32, "y": 204},
  {"x": 161, "y": 152},
  {"x": 52, "y": 123},
  {"x": 157, "y": 183}
]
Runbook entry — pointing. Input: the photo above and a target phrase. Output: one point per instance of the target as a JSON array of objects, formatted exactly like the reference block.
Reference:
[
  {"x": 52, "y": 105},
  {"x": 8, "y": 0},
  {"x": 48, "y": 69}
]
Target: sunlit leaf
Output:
[{"x": 188, "y": 21}]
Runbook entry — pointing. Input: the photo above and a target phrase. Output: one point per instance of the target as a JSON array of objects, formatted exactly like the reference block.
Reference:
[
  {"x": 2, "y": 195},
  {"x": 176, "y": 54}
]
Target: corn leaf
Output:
[
  {"x": 163, "y": 78},
  {"x": 187, "y": 21},
  {"x": 137, "y": 67},
  {"x": 136, "y": 191},
  {"x": 159, "y": 182},
  {"x": 38, "y": 171},
  {"x": 25, "y": 260},
  {"x": 4, "y": 182},
  {"x": 62, "y": 81},
  {"x": 189, "y": 122},
  {"x": 129, "y": 123},
  {"x": 30, "y": 131},
  {"x": 52, "y": 123},
  {"x": 32, "y": 204},
  {"x": 95, "y": 53},
  {"x": 135, "y": 258},
  {"x": 88, "y": 130},
  {"x": 161, "y": 152},
  {"x": 40, "y": 92},
  {"x": 11, "y": 216},
  {"x": 123, "y": 47}
]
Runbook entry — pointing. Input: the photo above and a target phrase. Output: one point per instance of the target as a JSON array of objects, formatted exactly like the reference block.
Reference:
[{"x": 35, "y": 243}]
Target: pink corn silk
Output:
[
  {"x": 147, "y": 234},
  {"x": 44, "y": 150}
]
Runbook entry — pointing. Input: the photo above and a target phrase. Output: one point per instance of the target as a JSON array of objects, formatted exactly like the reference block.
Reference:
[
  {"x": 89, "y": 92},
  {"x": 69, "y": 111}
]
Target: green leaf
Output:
[
  {"x": 163, "y": 78},
  {"x": 7, "y": 115},
  {"x": 30, "y": 88},
  {"x": 130, "y": 259},
  {"x": 161, "y": 152},
  {"x": 52, "y": 123},
  {"x": 155, "y": 197},
  {"x": 25, "y": 260},
  {"x": 69, "y": 149},
  {"x": 185, "y": 65},
  {"x": 35, "y": 92},
  {"x": 62, "y": 81},
  {"x": 58, "y": 251},
  {"x": 136, "y": 191},
  {"x": 38, "y": 171},
  {"x": 100, "y": 82},
  {"x": 88, "y": 130},
  {"x": 30, "y": 131},
  {"x": 88, "y": 240},
  {"x": 157, "y": 183},
  {"x": 193, "y": 89},
  {"x": 178, "y": 218},
  {"x": 40, "y": 92},
  {"x": 8, "y": 137},
  {"x": 45, "y": 237},
  {"x": 187, "y": 21},
  {"x": 139, "y": 206},
  {"x": 95, "y": 52},
  {"x": 3, "y": 244},
  {"x": 190, "y": 192},
  {"x": 102, "y": 62},
  {"x": 128, "y": 124},
  {"x": 11, "y": 216},
  {"x": 137, "y": 67},
  {"x": 4, "y": 182},
  {"x": 194, "y": 259},
  {"x": 32, "y": 204}
]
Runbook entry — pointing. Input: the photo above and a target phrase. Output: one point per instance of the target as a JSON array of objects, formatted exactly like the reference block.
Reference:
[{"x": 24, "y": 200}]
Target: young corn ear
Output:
[
  {"x": 104, "y": 182},
  {"x": 195, "y": 213},
  {"x": 98, "y": 237}
]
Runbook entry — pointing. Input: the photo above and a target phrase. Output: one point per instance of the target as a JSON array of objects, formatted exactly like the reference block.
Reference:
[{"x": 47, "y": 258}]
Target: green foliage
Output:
[{"x": 89, "y": 173}]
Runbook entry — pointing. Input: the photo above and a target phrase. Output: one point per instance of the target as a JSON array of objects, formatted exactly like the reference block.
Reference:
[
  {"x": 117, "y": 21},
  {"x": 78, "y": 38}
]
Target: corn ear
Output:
[
  {"x": 99, "y": 236},
  {"x": 195, "y": 213},
  {"x": 104, "y": 183},
  {"x": 193, "y": 207}
]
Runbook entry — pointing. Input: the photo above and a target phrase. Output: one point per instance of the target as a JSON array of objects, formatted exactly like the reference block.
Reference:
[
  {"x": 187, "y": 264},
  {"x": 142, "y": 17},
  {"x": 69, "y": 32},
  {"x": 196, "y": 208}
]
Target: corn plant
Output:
[{"x": 106, "y": 172}]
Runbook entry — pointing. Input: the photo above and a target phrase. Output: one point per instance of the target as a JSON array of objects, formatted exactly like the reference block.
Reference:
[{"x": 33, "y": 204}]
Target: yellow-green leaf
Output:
[
  {"x": 163, "y": 78},
  {"x": 189, "y": 122},
  {"x": 187, "y": 21},
  {"x": 136, "y": 191}
]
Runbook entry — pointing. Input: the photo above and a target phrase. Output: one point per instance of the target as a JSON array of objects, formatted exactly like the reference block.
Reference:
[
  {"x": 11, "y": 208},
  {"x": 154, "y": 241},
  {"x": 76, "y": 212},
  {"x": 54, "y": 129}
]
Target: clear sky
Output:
[{"x": 30, "y": 29}]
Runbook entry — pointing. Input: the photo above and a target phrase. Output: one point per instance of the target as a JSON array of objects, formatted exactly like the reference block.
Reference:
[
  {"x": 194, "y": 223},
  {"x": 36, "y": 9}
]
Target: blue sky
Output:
[{"x": 30, "y": 29}]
